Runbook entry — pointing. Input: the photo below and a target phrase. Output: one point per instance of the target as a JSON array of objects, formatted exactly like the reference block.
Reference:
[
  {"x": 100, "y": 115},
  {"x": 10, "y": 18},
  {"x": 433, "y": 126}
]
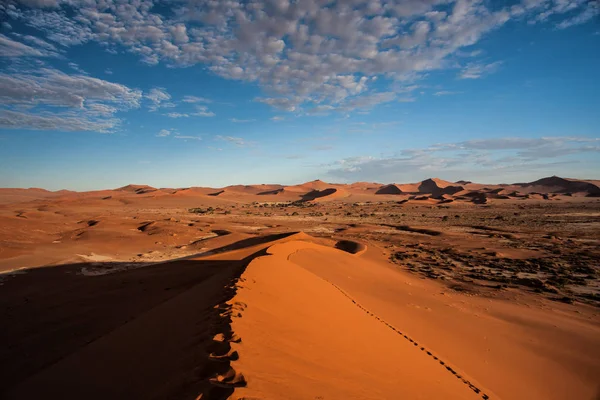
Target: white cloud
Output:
[
  {"x": 476, "y": 70},
  {"x": 13, "y": 48},
  {"x": 177, "y": 115},
  {"x": 368, "y": 101},
  {"x": 53, "y": 100},
  {"x": 445, "y": 93},
  {"x": 302, "y": 54},
  {"x": 569, "y": 12},
  {"x": 195, "y": 99},
  {"x": 489, "y": 157},
  {"x": 277, "y": 118},
  {"x": 238, "y": 141},
  {"x": 77, "y": 68},
  {"x": 163, "y": 133},
  {"x": 202, "y": 111},
  {"x": 101, "y": 109},
  {"x": 281, "y": 103},
  {"x": 38, "y": 43},
  {"x": 241, "y": 121},
  {"x": 55, "y": 88},
  {"x": 592, "y": 10},
  {"x": 321, "y": 110},
  {"x": 65, "y": 121},
  {"x": 159, "y": 97},
  {"x": 186, "y": 137}
]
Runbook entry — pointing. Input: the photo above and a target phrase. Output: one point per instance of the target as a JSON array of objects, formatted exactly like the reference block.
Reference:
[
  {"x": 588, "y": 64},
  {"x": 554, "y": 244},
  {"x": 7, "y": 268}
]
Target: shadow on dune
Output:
[
  {"x": 139, "y": 333},
  {"x": 253, "y": 241},
  {"x": 270, "y": 192},
  {"x": 351, "y": 247},
  {"x": 389, "y": 189},
  {"x": 315, "y": 194}
]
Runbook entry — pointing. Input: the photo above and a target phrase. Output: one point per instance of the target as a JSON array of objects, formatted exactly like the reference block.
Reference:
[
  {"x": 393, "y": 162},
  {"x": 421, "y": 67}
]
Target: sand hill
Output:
[
  {"x": 556, "y": 184},
  {"x": 434, "y": 188},
  {"x": 316, "y": 290},
  {"x": 389, "y": 189}
]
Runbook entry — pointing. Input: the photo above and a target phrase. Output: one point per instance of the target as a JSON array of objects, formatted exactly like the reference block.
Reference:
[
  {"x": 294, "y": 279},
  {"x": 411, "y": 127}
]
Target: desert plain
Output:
[{"x": 428, "y": 290}]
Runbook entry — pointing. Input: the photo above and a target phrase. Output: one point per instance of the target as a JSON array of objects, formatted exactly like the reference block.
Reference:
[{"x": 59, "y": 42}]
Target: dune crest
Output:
[{"x": 315, "y": 341}]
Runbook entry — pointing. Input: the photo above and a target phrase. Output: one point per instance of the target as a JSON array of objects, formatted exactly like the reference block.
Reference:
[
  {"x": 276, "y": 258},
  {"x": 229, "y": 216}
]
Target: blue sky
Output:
[{"x": 99, "y": 94}]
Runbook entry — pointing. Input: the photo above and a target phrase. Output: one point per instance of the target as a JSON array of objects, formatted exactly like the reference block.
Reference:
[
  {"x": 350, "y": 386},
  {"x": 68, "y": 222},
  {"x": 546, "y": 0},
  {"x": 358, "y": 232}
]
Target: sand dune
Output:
[
  {"x": 438, "y": 187},
  {"x": 344, "y": 352},
  {"x": 304, "y": 320},
  {"x": 556, "y": 184},
  {"x": 15, "y": 195},
  {"x": 138, "y": 189},
  {"x": 389, "y": 189},
  {"x": 144, "y": 333},
  {"x": 360, "y": 191},
  {"x": 141, "y": 293},
  {"x": 324, "y": 195}
]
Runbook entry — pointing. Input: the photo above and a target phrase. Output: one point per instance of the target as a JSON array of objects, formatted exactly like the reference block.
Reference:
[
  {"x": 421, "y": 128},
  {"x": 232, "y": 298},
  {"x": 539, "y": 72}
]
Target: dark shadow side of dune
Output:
[
  {"x": 350, "y": 246},
  {"x": 315, "y": 194},
  {"x": 270, "y": 192},
  {"x": 136, "y": 334},
  {"x": 389, "y": 189}
]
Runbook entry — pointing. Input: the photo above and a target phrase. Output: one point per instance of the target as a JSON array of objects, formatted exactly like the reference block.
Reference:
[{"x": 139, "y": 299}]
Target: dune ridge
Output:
[
  {"x": 318, "y": 190},
  {"x": 272, "y": 333}
]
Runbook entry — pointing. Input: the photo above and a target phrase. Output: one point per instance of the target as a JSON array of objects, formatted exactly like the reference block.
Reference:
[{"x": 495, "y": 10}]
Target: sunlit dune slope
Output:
[{"x": 303, "y": 338}]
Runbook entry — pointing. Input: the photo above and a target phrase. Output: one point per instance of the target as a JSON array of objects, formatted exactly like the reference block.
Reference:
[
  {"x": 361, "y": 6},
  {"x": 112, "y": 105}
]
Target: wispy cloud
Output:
[
  {"x": 77, "y": 68},
  {"x": 53, "y": 100},
  {"x": 445, "y": 93},
  {"x": 241, "y": 121},
  {"x": 65, "y": 121},
  {"x": 186, "y": 137},
  {"x": 238, "y": 141},
  {"x": 477, "y": 70},
  {"x": 479, "y": 156},
  {"x": 158, "y": 97},
  {"x": 36, "y": 48},
  {"x": 202, "y": 111},
  {"x": 195, "y": 99},
  {"x": 177, "y": 115},
  {"x": 163, "y": 133}
]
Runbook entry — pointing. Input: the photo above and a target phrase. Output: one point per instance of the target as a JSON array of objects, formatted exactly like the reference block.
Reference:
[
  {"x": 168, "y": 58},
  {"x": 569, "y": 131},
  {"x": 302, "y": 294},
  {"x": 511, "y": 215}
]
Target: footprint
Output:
[
  {"x": 229, "y": 356},
  {"x": 230, "y": 379},
  {"x": 231, "y": 338}
]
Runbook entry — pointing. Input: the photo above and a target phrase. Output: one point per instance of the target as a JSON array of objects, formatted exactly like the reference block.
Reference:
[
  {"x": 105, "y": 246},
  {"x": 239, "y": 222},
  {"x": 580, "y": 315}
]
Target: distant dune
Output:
[
  {"x": 16, "y": 195},
  {"x": 325, "y": 194},
  {"x": 137, "y": 189},
  {"x": 555, "y": 184},
  {"x": 317, "y": 190},
  {"x": 389, "y": 189}
]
